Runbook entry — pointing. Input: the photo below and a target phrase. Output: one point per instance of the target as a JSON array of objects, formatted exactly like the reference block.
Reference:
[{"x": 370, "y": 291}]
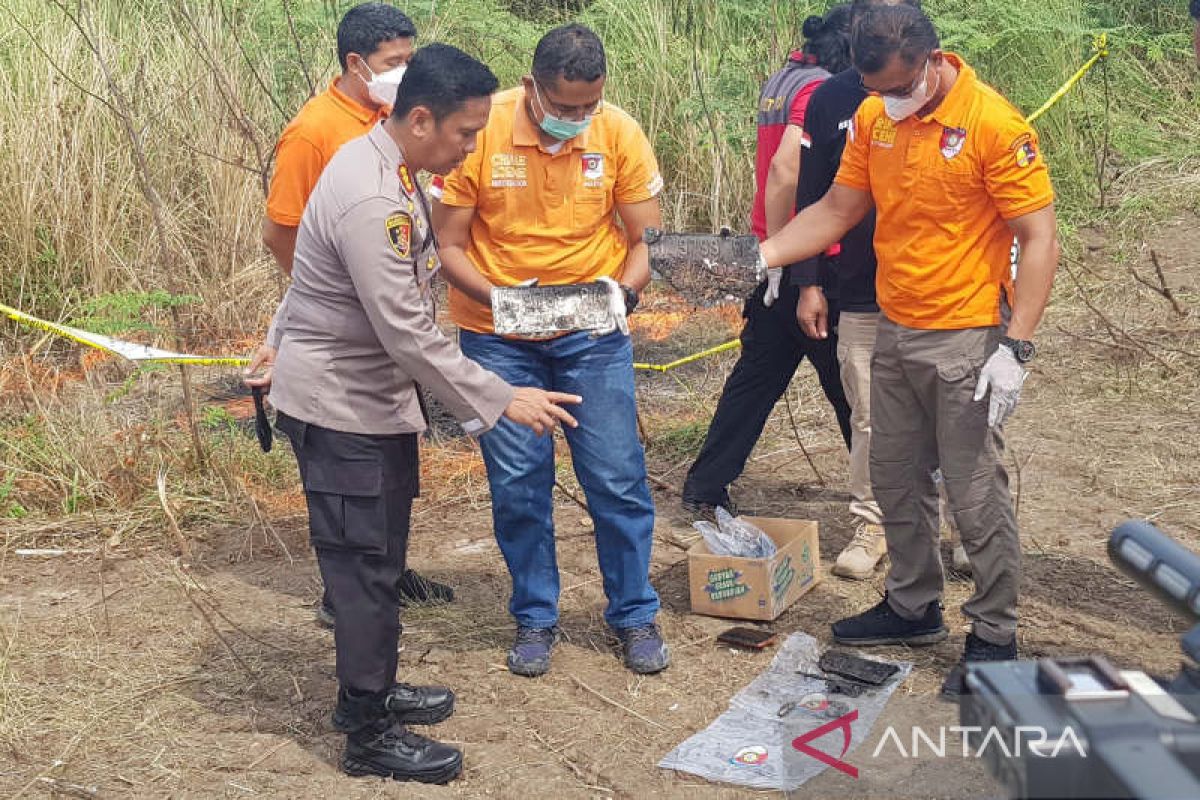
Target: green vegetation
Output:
[{"x": 209, "y": 85}]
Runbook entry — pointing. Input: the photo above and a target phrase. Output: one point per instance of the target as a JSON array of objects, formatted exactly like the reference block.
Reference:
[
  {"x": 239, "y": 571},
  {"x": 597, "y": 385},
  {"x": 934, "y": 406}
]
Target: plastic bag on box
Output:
[{"x": 734, "y": 536}]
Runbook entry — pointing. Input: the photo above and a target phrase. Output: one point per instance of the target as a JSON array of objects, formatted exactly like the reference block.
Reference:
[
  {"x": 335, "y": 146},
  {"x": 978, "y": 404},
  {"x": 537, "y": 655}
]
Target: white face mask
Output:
[
  {"x": 382, "y": 87},
  {"x": 900, "y": 108}
]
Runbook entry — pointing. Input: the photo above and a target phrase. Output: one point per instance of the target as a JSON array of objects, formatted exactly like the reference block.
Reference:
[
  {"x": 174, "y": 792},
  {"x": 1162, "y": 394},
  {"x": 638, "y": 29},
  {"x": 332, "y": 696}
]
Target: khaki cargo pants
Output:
[{"x": 923, "y": 415}]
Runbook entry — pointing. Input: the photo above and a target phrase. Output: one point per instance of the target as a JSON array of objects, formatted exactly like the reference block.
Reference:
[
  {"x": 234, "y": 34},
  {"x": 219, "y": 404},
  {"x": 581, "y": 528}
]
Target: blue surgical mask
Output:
[{"x": 561, "y": 129}]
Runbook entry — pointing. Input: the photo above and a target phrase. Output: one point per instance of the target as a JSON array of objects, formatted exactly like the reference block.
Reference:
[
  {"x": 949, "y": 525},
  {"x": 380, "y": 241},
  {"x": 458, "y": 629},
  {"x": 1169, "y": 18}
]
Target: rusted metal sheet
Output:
[
  {"x": 705, "y": 267},
  {"x": 547, "y": 310}
]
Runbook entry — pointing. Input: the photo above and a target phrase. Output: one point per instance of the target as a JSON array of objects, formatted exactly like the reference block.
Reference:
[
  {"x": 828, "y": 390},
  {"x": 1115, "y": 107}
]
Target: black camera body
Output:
[{"x": 1079, "y": 728}]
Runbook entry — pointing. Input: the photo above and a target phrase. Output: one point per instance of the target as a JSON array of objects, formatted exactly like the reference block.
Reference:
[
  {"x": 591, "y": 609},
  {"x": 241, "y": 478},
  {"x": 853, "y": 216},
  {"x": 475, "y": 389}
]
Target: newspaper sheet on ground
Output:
[{"x": 753, "y": 745}]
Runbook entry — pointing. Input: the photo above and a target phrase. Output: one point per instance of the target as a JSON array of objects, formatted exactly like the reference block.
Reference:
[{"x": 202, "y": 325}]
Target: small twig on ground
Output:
[
  {"x": 267, "y": 754},
  {"x": 660, "y": 483},
  {"x": 103, "y": 594},
  {"x": 571, "y": 765},
  {"x": 1162, "y": 289},
  {"x": 179, "y": 572},
  {"x": 559, "y": 485},
  {"x": 1114, "y": 330},
  {"x": 185, "y": 549},
  {"x": 57, "y": 787},
  {"x": 796, "y": 430},
  {"x": 615, "y": 704}
]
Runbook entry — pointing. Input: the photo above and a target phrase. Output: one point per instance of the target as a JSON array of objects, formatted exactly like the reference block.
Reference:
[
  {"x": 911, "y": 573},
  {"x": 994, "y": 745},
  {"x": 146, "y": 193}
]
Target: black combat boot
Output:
[
  {"x": 376, "y": 744},
  {"x": 413, "y": 705}
]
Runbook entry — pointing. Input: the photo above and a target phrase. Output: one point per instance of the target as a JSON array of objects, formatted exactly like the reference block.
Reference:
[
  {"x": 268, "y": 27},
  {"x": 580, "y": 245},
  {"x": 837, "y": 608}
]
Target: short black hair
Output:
[
  {"x": 573, "y": 52},
  {"x": 827, "y": 39},
  {"x": 368, "y": 25},
  {"x": 857, "y": 7},
  {"x": 886, "y": 31},
  {"x": 442, "y": 78}
]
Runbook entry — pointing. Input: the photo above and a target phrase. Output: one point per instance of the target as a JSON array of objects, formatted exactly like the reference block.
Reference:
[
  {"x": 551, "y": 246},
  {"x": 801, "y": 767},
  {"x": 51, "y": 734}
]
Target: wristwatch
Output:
[
  {"x": 1023, "y": 349},
  {"x": 631, "y": 298}
]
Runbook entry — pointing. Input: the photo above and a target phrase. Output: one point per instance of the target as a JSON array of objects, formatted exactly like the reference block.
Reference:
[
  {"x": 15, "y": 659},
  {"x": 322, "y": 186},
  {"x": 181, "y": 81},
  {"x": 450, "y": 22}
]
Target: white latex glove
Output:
[
  {"x": 1004, "y": 375},
  {"x": 616, "y": 308},
  {"x": 774, "y": 276}
]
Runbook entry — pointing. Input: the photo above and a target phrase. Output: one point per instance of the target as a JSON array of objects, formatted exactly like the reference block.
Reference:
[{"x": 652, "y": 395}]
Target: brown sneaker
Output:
[{"x": 858, "y": 561}]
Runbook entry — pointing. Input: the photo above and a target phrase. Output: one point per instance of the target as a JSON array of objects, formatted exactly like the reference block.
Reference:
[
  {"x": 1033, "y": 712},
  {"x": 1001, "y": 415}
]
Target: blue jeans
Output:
[{"x": 609, "y": 463}]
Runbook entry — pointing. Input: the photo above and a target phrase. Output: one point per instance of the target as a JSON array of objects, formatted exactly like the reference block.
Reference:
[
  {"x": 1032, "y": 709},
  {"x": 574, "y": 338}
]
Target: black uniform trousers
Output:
[
  {"x": 359, "y": 490},
  {"x": 773, "y": 346}
]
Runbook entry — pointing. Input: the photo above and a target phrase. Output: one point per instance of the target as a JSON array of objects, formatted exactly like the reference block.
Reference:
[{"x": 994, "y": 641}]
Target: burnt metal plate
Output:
[
  {"x": 704, "y": 267},
  {"x": 547, "y": 310}
]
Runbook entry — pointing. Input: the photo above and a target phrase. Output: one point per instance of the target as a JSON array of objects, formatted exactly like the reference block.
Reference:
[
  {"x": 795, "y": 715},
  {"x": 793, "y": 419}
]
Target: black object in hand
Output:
[{"x": 262, "y": 425}]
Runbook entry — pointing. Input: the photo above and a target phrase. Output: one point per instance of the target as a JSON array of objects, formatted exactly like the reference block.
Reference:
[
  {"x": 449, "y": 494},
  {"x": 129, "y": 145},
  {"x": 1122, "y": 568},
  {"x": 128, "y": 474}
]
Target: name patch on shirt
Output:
[
  {"x": 884, "y": 133},
  {"x": 399, "y": 230},
  {"x": 509, "y": 170}
]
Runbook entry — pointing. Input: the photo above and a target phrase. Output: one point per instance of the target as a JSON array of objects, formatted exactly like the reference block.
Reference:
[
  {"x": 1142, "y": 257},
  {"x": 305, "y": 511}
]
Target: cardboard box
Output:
[{"x": 756, "y": 588}]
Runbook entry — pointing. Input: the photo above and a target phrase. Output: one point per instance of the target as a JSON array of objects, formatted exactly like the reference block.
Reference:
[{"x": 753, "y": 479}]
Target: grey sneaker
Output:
[
  {"x": 530, "y": 653},
  {"x": 644, "y": 649}
]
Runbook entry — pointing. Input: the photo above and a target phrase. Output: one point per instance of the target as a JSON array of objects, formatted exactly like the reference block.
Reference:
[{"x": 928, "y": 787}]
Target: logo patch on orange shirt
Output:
[
  {"x": 1026, "y": 155},
  {"x": 953, "y": 140}
]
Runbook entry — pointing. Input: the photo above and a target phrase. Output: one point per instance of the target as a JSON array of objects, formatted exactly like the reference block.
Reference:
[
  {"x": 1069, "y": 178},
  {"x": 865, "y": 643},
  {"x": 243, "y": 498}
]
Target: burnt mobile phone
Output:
[{"x": 750, "y": 638}]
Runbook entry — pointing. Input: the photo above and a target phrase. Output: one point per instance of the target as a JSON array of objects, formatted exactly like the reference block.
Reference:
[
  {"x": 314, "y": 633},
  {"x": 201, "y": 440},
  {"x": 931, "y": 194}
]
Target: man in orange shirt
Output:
[
  {"x": 374, "y": 42},
  {"x": 953, "y": 172},
  {"x": 560, "y": 189}
]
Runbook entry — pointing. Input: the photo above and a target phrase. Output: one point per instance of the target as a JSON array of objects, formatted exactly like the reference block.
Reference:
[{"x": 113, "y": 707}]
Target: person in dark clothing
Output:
[
  {"x": 1194, "y": 9},
  {"x": 773, "y": 346}
]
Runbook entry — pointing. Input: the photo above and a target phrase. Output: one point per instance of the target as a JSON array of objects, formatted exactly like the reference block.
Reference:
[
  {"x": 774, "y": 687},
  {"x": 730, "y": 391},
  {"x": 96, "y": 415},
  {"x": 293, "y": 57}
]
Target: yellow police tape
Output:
[
  {"x": 1100, "y": 52},
  {"x": 149, "y": 355},
  {"x": 131, "y": 351}
]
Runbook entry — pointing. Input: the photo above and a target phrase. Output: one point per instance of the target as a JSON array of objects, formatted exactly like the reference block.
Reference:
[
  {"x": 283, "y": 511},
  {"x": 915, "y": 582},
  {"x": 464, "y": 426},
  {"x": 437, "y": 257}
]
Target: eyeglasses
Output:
[
  {"x": 900, "y": 94},
  {"x": 566, "y": 112}
]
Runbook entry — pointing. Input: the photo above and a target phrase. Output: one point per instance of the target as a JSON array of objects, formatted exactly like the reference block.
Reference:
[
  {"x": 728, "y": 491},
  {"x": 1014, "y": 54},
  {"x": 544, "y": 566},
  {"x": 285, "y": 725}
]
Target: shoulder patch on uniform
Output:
[
  {"x": 399, "y": 230},
  {"x": 1024, "y": 138},
  {"x": 1026, "y": 155}
]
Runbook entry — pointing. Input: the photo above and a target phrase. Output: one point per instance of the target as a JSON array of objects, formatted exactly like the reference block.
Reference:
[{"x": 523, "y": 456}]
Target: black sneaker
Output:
[
  {"x": 387, "y": 749},
  {"x": 881, "y": 625},
  {"x": 416, "y": 590},
  {"x": 413, "y": 705},
  {"x": 700, "y": 510},
  {"x": 644, "y": 649},
  {"x": 976, "y": 649}
]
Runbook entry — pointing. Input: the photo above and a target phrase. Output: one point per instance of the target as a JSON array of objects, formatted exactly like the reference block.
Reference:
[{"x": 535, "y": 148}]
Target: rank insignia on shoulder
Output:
[
  {"x": 399, "y": 229},
  {"x": 406, "y": 179}
]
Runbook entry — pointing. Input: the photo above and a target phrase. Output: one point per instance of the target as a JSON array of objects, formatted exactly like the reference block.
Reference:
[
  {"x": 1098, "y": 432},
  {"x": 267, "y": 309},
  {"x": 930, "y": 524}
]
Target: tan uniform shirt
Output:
[{"x": 355, "y": 330}]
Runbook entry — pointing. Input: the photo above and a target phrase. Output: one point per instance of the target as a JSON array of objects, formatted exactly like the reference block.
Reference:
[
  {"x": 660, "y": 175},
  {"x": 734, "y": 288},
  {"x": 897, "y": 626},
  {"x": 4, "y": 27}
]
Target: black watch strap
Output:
[
  {"x": 631, "y": 298},
  {"x": 1023, "y": 349}
]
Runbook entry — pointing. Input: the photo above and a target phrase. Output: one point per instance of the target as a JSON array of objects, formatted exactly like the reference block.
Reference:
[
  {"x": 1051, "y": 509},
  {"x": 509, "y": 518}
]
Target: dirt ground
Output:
[{"x": 138, "y": 678}]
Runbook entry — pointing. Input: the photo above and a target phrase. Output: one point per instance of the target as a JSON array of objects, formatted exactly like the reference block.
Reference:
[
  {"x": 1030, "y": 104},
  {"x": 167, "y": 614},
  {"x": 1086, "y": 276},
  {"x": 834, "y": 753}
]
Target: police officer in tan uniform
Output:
[{"x": 354, "y": 336}]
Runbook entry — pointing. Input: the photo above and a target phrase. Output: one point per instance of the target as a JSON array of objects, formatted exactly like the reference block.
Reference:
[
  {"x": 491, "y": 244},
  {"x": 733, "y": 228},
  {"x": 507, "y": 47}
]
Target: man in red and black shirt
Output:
[{"x": 772, "y": 343}]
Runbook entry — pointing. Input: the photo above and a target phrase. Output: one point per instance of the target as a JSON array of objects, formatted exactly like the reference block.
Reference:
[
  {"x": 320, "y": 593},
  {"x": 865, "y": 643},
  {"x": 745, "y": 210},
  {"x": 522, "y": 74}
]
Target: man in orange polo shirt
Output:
[
  {"x": 953, "y": 172},
  {"x": 374, "y": 43},
  {"x": 560, "y": 189}
]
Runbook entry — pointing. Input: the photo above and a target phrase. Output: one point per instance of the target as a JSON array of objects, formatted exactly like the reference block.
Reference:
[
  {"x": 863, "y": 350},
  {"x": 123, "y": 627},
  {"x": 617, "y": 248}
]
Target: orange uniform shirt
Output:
[
  {"x": 325, "y": 123},
  {"x": 547, "y": 215},
  {"x": 943, "y": 187}
]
